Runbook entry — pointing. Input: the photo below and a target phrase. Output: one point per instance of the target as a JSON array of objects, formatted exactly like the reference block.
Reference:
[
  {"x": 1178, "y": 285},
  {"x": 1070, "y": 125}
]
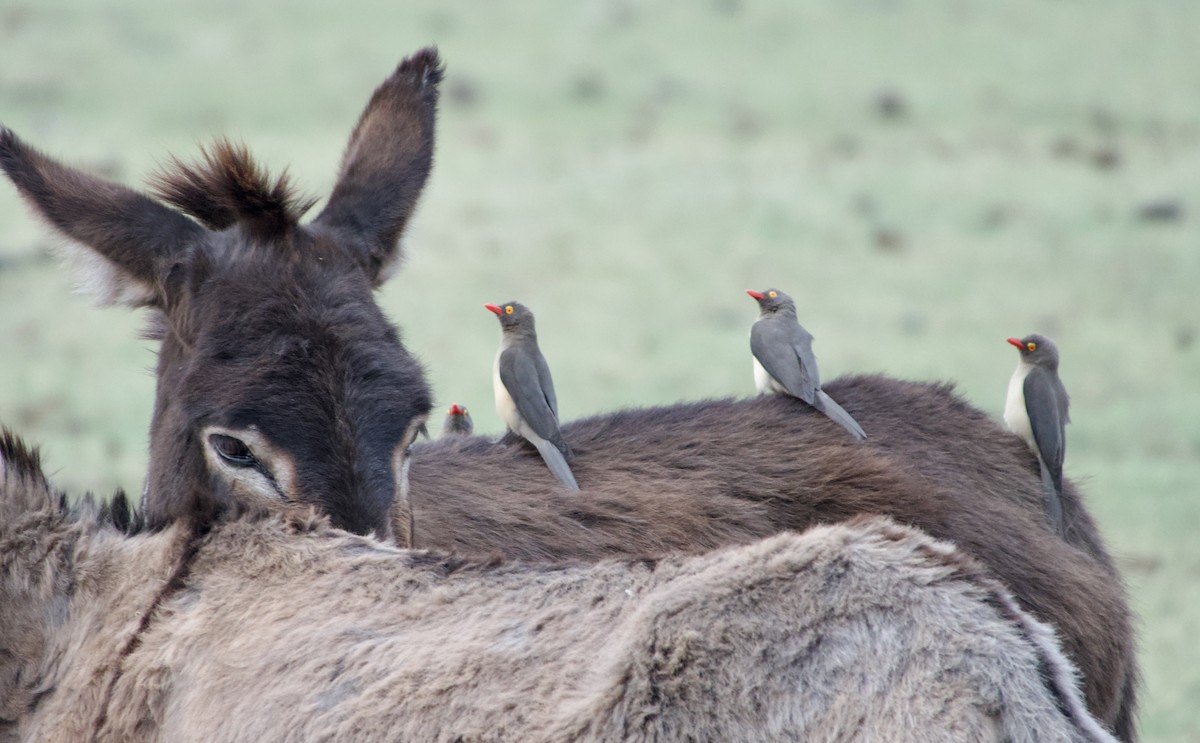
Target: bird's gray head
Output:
[
  {"x": 514, "y": 317},
  {"x": 772, "y": 301},
  {"x": 1037, "y": 350},
  {"x": 458, "y": 420}
]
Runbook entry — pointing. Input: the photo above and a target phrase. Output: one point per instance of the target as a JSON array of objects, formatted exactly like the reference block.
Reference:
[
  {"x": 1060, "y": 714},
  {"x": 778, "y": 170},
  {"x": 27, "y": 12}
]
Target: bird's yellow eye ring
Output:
[
  {"x": 508, "y": 310},
  {"x": 772, "y": 294},
  {"x": 1031, "y": 346}
]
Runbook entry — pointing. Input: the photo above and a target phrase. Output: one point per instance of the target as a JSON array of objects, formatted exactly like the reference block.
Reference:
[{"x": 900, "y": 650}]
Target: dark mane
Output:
[
  {"x": 25, "y": 461},
  {"x": 227, "y": 187},
  {"x": 26, "y": 489},
  {"x": 121, "y": 514},
  {"x": 116, "y": 512}
]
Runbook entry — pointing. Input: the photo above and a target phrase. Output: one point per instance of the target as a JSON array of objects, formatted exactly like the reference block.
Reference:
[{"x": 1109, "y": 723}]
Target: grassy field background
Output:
[{"x": 926, "y": 178}]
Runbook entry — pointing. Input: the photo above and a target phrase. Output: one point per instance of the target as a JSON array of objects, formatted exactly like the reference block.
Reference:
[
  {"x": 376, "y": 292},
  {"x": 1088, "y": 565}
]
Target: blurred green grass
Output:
[{"x": 926, "y": 178}]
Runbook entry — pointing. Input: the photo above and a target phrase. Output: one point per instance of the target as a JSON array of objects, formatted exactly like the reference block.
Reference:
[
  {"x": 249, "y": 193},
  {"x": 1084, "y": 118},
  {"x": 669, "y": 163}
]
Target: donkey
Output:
[
  {"x": 270, "y": 629},
  {"x": 280, "y": 382},
  {"x": 693, "y": 477}
]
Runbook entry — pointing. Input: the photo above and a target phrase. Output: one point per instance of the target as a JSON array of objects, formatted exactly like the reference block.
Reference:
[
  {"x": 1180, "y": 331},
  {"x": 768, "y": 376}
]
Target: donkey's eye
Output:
[{"x": 232, "y": 450}]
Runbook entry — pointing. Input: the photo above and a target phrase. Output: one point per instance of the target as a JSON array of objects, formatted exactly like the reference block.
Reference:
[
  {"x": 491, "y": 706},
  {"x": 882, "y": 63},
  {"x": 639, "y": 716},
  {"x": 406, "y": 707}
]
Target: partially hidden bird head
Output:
[
  {"x": 513, "y": 316},
  {"x": 1037, "y": 350},
  {"x": 458, "y": 420},
  {"x": 772, "y": 300}
]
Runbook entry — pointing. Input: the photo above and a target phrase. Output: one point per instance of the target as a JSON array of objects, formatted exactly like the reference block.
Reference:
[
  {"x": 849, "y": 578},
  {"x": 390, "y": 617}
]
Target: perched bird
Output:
[
  {"x": 1036, "y": 410},
  {"x": 784, "y": 361},
  {"x": 458, "y": 422},
  {"x": 525, "y": 392}
]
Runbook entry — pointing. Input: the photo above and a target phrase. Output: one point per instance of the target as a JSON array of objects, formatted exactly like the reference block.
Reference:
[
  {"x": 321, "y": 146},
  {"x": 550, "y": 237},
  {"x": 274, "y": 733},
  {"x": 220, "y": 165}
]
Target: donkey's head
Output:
[{"x": 280, "y": 382}]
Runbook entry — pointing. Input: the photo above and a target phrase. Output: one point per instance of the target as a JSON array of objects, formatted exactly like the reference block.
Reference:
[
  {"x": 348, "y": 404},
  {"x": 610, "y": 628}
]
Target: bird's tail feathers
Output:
[
  {"x": 565, "y": 449},
  {"x": 838, "y": 415},
  {"x": 1055, "y": 477},
  {"x": 1052, "y": 500},
  {"x": 557, "y": 462}
]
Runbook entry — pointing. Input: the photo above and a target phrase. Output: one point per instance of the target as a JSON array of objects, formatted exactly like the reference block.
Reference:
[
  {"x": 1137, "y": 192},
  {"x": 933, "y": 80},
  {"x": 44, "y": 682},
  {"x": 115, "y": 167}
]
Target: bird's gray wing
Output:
[
  {"x": 518, "y": 374},
  {"x": 543, "y": 373},
  {"x": 1045, "y": 418},
  {"x": 808, "y": 362},
  {"x": 785, "y": 350},
  {"x": 1064, "y": 402}
]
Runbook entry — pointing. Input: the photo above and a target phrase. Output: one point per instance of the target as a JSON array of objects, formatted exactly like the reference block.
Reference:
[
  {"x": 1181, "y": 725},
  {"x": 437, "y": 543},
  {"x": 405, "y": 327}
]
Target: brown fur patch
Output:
[{"x": 694, "y": 476}]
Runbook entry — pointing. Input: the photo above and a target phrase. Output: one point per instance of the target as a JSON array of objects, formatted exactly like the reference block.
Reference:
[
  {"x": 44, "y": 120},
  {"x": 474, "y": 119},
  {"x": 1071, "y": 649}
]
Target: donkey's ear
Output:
[
  {"x": 385, "y": 165},
  {"x": 128, "y": 241}
]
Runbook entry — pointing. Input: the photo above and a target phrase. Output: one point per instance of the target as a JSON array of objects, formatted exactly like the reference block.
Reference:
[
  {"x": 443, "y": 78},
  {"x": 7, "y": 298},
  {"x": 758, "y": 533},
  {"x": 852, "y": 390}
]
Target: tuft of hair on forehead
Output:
[{"x": 226, "y": 187}]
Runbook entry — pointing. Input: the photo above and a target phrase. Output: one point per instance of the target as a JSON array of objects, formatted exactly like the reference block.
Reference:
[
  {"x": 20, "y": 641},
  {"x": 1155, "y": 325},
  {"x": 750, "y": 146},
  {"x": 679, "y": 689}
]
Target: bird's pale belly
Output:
[
  {"x": 764, "y": 382},
  {"x": 1015, "y": 413},
  {"x": 506, "y": 407}
]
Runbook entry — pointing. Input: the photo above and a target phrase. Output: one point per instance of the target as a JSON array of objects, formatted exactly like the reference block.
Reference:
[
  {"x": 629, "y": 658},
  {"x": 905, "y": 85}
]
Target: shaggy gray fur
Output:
[{"x": 274, "y": 631}]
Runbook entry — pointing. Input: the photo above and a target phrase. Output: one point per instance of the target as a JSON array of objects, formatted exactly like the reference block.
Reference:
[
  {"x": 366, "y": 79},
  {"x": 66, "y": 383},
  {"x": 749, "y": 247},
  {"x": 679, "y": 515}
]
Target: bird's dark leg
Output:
[{"x": 510, "y": 437}]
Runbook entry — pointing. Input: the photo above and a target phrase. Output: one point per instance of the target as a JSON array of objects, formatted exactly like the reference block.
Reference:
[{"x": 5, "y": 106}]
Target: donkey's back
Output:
[{"x": 695, "y": 476}]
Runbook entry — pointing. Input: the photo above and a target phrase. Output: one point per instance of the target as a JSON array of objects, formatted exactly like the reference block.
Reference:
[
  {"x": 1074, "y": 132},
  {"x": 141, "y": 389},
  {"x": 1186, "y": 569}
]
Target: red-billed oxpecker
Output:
[
  {"x": 458, "y": 422},
  {"x": 1036, "y": 410},
  {"x": 784, "y": 361},
  {"x": 525, "y": 392}
]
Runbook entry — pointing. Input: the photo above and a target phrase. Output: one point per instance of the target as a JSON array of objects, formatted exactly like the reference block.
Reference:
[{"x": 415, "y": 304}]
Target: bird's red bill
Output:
[
  {"x": 756, "y": 295},
  {"x": 495, "y": 308},
  {"x": 1016, "y": 342}
]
